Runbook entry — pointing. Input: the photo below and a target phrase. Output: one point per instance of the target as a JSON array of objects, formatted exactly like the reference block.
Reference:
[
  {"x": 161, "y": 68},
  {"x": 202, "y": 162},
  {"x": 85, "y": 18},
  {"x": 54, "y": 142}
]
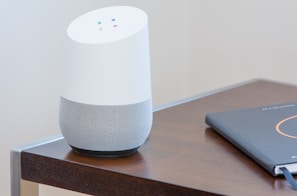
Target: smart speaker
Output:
[{"x": 106, "y": 105}]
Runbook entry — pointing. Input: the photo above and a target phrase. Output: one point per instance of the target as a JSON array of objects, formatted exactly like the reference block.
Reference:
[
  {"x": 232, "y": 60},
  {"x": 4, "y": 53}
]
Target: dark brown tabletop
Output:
[{"x": 182, "y": 156}]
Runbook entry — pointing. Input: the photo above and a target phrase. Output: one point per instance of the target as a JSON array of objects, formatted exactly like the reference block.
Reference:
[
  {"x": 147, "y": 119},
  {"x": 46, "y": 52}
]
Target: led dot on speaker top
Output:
[
  {"x": 113, "y": 19},
  {"x": 99, "y": 22}
]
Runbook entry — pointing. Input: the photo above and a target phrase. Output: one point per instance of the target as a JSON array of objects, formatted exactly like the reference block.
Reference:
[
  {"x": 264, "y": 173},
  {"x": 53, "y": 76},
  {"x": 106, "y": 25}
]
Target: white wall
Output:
[
  {"x": 231, "y": 41},
  {"x": 196, "y": 46}
]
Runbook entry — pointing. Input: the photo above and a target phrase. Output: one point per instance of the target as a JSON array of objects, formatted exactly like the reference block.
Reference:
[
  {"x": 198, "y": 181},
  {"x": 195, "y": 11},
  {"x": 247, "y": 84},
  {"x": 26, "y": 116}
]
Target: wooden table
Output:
[{"x": 182, "y": 156}]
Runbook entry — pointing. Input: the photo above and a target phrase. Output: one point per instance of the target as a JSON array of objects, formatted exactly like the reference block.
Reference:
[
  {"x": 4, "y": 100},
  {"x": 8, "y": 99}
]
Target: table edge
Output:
[{"x": 15, "y": 162}]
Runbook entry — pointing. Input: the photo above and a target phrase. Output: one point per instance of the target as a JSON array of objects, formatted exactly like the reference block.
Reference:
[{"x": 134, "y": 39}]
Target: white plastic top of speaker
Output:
[{"x": 107, "y": 57}]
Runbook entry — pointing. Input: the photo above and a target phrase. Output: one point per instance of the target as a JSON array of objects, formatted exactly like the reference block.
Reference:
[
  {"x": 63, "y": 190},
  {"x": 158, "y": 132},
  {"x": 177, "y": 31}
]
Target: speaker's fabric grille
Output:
[{"x": 105, "y": 128}]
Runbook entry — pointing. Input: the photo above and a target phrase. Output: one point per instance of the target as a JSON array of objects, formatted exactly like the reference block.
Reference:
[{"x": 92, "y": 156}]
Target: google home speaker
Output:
[{"x": 106, "y": 104}]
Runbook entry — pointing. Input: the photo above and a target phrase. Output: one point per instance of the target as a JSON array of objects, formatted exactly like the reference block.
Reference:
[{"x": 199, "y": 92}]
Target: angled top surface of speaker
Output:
[{"x": 107, "y": 25}]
